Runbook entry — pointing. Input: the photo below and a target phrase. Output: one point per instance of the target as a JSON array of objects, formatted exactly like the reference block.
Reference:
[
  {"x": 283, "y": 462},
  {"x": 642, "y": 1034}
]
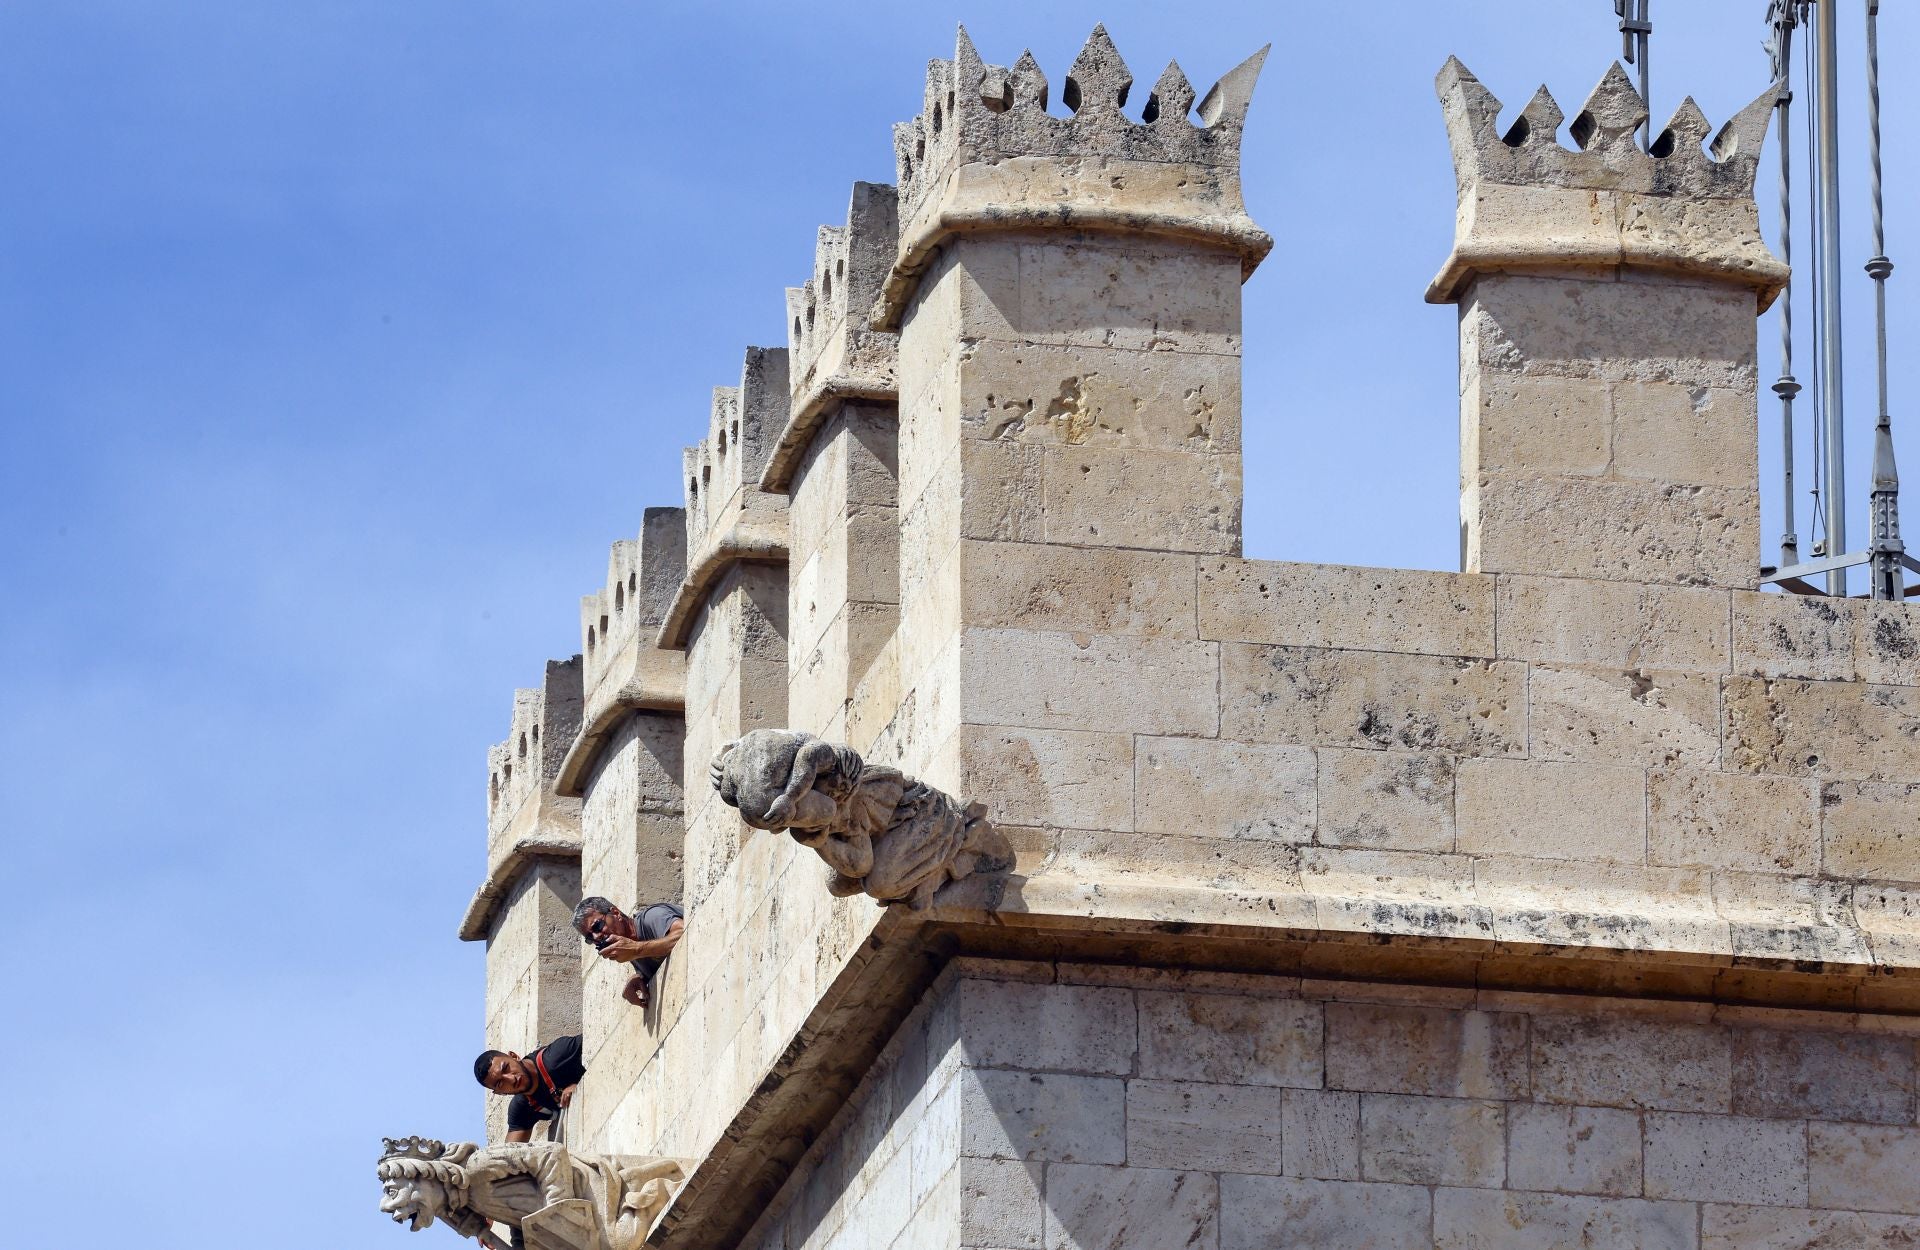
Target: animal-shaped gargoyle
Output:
[{"x": 881, "y": 832}]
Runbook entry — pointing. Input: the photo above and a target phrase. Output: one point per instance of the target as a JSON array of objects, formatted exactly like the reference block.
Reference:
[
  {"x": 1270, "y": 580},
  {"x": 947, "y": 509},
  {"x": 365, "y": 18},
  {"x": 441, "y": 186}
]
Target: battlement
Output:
[
  {"x": 985, "y": 154},
  {"x": 729, "y": 516},
  {"x": 835, "y": 354},
  {"x": 527, "y": 818},
  {"x": 1678, "y": 206}
]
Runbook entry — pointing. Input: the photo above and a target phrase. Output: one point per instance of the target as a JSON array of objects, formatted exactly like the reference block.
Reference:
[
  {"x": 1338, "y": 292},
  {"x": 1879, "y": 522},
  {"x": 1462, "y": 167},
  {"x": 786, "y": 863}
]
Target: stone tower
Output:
[{"x": 1569, "y": 899}]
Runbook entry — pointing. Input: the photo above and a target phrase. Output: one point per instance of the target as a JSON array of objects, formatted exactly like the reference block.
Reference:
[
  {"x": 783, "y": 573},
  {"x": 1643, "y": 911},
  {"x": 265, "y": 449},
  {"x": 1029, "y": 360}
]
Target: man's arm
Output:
[
  {"x": 519, "y": 1134},
  {"x": 626, "y": 950}
]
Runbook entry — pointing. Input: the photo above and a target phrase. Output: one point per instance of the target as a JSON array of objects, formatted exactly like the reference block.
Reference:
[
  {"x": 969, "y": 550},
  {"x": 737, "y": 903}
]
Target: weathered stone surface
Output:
[
  {"x": 1320, "y": 1134},
  {"x": 1426, "y": 1050},
  {"x": 1100, "y": 396},
  {"x": 1871, "y": 829},
  {"x": 1092, "y": 1207},
  {"x": 1863, "y": 1167},
  {"x": 1727, "y": 820},
  {"x": 1617, "y": 625},
  {"x": 1392, "y": 800},
  {"x": 1169, "y": 500},
  {"x": 1632, "y": 1063},
  {"x": 1577, "y": 1150},
  {"x": 1554, "y": 811},
  {"x": 1260, "y": 1212},
  {"x": 1705, "y": 1158},
  {"x": 1000, "y": 1204},
  {"x": 1213, "y": 1128},
  {"x": 1432, "y": 1141},
  {"x": 1229, "y": 1039},
  {"x": 1054, "y": 777},
  {"x": 1065, "y": 1028},
  {"x": 1777, "y": 1228},
  {"x": 1372, "y": 700},
  {"x": 1045, "y": 680},
  {"x": 1827, "y": 729},
  {"x": 1471, "y": 1219},
  {"x": 1614, "y": 716},
  {"x": 1827, "y": 1076},
  {"x": 1630, "y": 531},
  {"x": 1214, "y": 788},
  {"x": 1087, "y": 589},
  {"x": 1023, "y": 1115},
  {"x": 1320, "y": 605}
]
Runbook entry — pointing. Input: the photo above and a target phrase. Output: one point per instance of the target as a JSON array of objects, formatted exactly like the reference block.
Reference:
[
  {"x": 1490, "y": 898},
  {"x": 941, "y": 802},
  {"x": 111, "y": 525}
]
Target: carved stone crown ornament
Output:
[
  {"x": 881, "y": 832},
  {"x": 553, "y": 1199}
]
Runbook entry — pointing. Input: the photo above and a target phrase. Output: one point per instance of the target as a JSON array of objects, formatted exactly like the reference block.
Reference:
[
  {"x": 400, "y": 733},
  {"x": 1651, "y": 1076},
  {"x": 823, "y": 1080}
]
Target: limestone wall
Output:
[{"x": 1040, "y": 1105}]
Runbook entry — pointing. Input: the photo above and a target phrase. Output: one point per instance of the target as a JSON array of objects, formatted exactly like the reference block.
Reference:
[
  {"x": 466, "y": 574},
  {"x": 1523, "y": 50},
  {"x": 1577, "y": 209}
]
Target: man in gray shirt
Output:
[{"x": 643, "y": 939}]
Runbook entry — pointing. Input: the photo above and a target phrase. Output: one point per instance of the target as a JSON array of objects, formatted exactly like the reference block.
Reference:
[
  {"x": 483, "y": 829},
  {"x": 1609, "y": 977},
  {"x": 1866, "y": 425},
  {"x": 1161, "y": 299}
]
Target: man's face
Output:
[
  {"x": 596, "y": 927},
  {"x": 505, "y": 1075}
]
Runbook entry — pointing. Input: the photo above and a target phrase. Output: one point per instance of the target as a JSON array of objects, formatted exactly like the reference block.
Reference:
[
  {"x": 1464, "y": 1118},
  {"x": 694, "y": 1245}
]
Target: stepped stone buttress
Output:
[{"x": 1573, "y": 898}]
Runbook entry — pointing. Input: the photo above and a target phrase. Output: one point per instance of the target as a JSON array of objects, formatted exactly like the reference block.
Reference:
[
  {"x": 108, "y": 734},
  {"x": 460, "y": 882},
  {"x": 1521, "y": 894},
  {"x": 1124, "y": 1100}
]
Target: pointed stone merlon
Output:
[
  {"x": 730, "y": 518},
  {"x": 835, "y": 356},
  {"x": 1609, "y": 364},
  {"x": 1527, "y": 202},
  {"x": 625, "y": 668},
  {"x": 985, "y": 154}
]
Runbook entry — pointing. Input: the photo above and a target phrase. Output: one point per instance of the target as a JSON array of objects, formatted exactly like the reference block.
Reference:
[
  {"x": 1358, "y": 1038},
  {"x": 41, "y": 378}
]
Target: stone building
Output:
[{"x": 1568, "y": 900}]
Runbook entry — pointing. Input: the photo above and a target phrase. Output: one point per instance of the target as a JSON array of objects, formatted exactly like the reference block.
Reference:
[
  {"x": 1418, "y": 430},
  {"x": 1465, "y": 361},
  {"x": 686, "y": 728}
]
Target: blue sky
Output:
[{"x": 338, "y": 340}]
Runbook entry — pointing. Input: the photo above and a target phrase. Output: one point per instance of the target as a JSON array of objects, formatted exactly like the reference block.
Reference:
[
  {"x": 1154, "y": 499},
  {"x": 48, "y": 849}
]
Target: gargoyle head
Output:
[{"x": 422, "y": 1180}]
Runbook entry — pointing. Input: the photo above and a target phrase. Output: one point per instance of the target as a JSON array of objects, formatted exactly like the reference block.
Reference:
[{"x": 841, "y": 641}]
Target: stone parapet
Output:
[
  {"x": 528, "y": 818},
  {"x": 1528, "y": 203},
  {"x": 985, "y": 155}
]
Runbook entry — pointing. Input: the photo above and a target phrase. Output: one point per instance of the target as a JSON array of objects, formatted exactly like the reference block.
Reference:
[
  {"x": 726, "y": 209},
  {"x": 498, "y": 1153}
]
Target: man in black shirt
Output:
[
  {"x": 540, "y": 1085},
  {"x": 643, "y": 940}
]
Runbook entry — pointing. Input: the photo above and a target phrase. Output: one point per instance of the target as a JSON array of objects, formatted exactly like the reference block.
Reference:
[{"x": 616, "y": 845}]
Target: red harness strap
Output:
[{"x": 540, "y": 1062}]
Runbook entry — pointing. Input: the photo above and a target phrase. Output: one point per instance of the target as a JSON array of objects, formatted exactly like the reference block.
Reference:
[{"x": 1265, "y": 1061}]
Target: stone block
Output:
[
  {"x": 1516, "y": 423},
  {"x": 1214, "y": 788},
  {"x": 1213, "y": 1128},
  {"x": 1145, "y": 295},
  {"x": 1551, "y": 811},
  {"x": 1432, "y": 1141},
  {"x": 1050, "y": 777},
  {"x": 1000, "y": 1204},
  {"x": 1834, "y": 730},
  {"x": 1693, "y": 435},
  {"x": 1615, "y": 716},
  {"x": 1632, "y": 1063},
  {"x": 1781, "y": 635},
  {"x": 1078, "y": 681},
  {"x": 1102, "y": 1208},
  {"x": 1725, "y": 1158},
  {"x": 1863, "y": 1167},
  {"x": 1628, "y": 531},
  {"x": 1871, "y": 829},
  {"x": 1476, "y": 1219},
  {"x": 1734, "y": 821},
  {"x": 1390, "y": 800},
  {"x": 1229, "y": 1039},
  {"x": 1262, "y": 1212},
  {"x": 1426, "y": 1050},
  {"x": 1790, "y": 1228},
  {"x": 1887, "y": 648},
  {"x": 1371, "y": 700},
  {"x": 1085, "y": 589},
  {"x": 1320, "y": 1134},
  {"x": 1324, "y": 605},
  {"x": 1070, "y": 1028},
  {"x": 1820, "y": 1075},
  {"x": 1084, "y": 396},
  {"x": 1575, "y": 1150},
  {"x": 1613, "y": 624},
  {"x": 1161, "y": 500},
  {"x": 1029, "y": 1115}
]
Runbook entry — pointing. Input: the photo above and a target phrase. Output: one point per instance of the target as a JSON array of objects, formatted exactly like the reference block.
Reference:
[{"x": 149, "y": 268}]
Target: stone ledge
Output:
[
  {"x": 655, "y": 681},
  {"x": 1156, "y": 198},
  {"x": 811, "y": 410},
  {"x": 757, "y": 535},
  {"x": 525, "y": 852}
]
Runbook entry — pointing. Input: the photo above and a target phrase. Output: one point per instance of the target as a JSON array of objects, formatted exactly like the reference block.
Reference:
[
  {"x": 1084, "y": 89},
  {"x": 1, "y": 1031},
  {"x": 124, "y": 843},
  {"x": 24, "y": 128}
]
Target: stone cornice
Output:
[
  {"x": 656, "y": 683},
  {"x": 505, "y": 873},
  {"x": 756, "y": 533}
]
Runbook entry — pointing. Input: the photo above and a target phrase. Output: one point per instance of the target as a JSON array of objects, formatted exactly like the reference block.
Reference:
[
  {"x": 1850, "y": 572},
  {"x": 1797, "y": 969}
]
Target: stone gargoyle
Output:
[
  {"x": 551, "y": 1198},
  {"x": 881, "y": 832}
]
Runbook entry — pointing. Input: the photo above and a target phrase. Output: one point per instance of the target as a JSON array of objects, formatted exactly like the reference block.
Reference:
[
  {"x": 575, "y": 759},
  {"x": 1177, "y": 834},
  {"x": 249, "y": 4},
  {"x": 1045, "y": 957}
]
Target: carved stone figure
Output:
[
  {"x": 553, "y": 1199},
  {"x": 881, "y": 832}
]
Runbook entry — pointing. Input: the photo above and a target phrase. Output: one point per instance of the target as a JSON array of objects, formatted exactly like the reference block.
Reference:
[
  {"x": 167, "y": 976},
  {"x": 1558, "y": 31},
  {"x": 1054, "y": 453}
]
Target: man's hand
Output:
[
  {"x": 622, "y": 950},
  {"x": 636, "y": 990},
  {"x": 566, "y": 1095}
]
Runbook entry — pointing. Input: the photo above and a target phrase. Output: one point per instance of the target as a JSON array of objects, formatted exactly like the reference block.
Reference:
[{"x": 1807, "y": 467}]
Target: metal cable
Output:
[{"x": 1884, "y": 548}]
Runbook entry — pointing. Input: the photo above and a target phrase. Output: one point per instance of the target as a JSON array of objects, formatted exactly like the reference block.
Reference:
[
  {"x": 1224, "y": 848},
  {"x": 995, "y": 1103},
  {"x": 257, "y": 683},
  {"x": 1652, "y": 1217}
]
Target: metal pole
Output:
[
  {"x": 1635, "y": 29},
  {"x": 1786, "y": 386},
  {"x": 1827, "y": 310},
  {"x": 1887, "y": 579}
]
